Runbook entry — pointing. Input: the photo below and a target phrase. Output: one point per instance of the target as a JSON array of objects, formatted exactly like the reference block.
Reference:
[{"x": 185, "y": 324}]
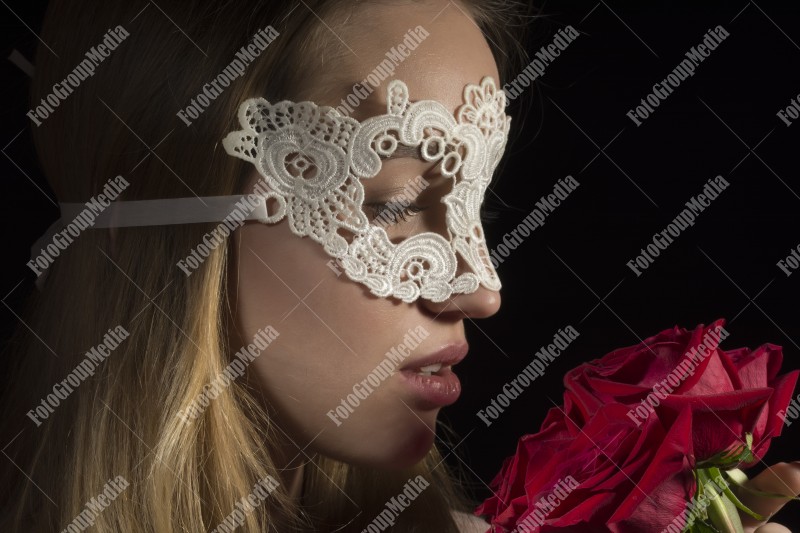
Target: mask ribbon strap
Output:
[{"x": 140, "y": 213}]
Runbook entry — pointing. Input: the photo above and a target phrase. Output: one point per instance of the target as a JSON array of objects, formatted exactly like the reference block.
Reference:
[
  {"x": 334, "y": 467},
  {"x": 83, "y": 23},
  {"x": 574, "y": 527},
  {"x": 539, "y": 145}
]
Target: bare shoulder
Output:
[{"x": 468, "y": 523}]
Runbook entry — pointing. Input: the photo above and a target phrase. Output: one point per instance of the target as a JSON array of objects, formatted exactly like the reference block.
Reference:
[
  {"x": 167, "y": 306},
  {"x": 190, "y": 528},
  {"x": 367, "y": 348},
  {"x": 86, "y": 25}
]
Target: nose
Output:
[{"x": 482, "y": 303}]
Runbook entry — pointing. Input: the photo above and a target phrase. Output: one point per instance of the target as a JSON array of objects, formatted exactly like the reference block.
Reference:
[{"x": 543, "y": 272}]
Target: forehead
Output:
[{"x": 453, "y": 54}]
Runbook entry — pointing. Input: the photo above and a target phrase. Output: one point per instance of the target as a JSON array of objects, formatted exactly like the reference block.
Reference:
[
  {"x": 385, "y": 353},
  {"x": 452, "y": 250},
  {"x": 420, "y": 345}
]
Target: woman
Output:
[
  {"x": 325, "y": 418},
  {"x": 188, "y": 453}
]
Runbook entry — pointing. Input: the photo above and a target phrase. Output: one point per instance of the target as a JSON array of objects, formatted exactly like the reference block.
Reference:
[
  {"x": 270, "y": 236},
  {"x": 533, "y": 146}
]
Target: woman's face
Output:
[{"x": 332, "y": 332}]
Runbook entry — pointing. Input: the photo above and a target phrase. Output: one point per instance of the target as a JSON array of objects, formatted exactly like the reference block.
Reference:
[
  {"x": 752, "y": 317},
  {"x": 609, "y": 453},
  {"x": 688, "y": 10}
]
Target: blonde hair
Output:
[{"x": 123, "y": 419}]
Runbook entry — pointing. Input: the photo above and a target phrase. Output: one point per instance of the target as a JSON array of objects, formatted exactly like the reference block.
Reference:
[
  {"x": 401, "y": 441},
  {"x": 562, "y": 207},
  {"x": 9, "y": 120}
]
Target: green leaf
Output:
[
  {"x": 722, "y": 512},
  {"x": 724, "y": 515},
  {"x": 701, "y": 527},
  {"x": 732, "y": 497}
]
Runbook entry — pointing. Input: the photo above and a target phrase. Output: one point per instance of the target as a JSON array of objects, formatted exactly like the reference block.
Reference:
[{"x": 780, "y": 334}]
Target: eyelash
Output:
[
  {"x": 487, "y": 214},
  {"x": 409, "y": 211}
]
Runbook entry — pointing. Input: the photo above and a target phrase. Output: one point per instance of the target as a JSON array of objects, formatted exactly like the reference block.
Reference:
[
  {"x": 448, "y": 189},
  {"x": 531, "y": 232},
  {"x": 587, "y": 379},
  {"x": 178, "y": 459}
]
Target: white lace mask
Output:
[{"x": 313, "y": 160}]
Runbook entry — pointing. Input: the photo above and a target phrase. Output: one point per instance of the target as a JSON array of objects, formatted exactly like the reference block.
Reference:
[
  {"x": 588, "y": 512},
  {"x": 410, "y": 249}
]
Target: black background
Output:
[{"x": 633, "y": 182}]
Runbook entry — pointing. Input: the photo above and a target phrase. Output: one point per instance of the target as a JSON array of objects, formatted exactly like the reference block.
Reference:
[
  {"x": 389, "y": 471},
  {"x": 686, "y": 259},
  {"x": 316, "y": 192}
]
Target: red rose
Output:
[
  {"x": 608, "y": 476},
  {"x": 633, "y": 426},
  {"x": 730, "y": 393}
]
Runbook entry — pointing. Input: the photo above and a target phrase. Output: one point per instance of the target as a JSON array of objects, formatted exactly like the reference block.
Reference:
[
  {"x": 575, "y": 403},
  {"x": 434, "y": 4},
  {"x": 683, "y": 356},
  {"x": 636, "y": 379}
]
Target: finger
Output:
[
  {"x": 772, "y": 527},
  {"x": 781, "y": 478}
]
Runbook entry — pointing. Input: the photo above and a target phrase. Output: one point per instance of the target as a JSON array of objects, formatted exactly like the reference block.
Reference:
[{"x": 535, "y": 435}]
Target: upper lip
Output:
[{"x": 448, "y": 355}]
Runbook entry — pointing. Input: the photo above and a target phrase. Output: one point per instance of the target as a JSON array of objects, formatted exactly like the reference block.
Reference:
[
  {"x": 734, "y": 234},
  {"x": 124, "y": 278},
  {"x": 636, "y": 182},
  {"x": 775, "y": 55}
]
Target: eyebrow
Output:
[{"x": 405, "y": 151}]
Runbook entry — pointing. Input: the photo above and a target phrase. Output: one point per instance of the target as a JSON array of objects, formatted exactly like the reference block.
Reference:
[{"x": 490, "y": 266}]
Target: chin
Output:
[
  {"x": 412, "y": 451},
  {"x": 397, "y": 449}
]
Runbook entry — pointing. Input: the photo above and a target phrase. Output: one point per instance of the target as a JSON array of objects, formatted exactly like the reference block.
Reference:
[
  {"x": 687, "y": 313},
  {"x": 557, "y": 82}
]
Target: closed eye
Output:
[{"x": 390, "y": 212}]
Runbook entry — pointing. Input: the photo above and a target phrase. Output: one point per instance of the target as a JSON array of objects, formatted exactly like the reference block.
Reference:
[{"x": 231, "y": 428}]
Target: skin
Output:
[
  {"x": 333, "y": 332},
  {"x": 781, "y": 478}
]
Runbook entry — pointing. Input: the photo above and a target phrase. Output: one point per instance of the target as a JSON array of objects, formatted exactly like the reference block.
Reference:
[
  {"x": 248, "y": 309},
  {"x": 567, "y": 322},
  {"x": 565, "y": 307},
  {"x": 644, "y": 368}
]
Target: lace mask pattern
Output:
[{"x": 313, "y": 159}]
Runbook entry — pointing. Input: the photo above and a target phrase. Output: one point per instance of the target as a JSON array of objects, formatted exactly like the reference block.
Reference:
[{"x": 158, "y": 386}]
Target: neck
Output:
[
  {"x": 293, "y": 479},
  {"x": 290, "y": 464}
]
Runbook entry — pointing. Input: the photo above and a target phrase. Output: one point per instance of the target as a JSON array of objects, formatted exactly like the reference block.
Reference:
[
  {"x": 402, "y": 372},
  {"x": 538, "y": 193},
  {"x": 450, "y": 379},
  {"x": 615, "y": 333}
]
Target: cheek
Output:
[
  {"x": 326, "y": 344},
  {"x": 279, "y": 275},
  {"x": 276, "y": 267},
  {"x": 276, "y": 272},
  {"x": 292, "y": 284}
]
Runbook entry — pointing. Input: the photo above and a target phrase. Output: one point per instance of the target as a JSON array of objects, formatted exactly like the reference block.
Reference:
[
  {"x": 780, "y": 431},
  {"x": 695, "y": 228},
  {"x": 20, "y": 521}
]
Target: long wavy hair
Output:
[{"x": 122, "y": 420}]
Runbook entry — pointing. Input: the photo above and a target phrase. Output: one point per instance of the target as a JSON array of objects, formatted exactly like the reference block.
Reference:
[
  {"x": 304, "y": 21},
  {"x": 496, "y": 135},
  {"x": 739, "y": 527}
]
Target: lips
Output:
[
  {"x": 431, "y": 380},
  {"x": 448, "y": 356}
]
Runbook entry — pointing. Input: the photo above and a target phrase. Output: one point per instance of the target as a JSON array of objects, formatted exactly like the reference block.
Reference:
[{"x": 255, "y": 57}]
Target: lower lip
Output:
[{"x": 436, "y": 390}]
